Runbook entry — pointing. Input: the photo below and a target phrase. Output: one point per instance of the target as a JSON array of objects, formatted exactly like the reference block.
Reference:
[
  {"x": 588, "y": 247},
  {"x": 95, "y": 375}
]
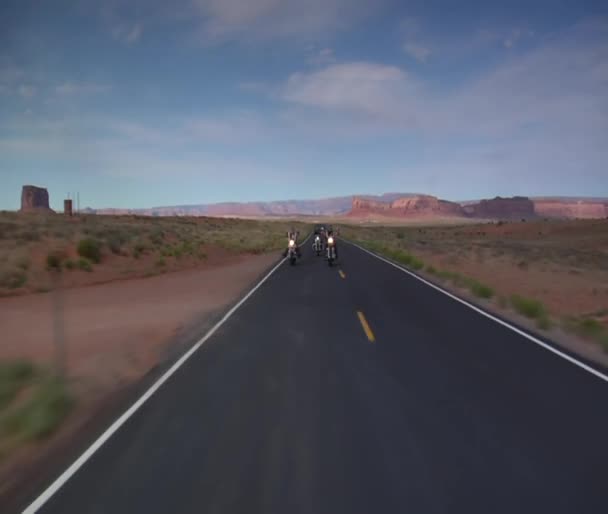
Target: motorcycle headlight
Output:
[
  {"x": 330, "y": 240},
  {"x": 292, "y": 242}
]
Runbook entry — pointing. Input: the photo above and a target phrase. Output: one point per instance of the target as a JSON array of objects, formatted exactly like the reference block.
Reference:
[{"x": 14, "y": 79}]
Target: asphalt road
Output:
[{"x": 291, "y": 408}]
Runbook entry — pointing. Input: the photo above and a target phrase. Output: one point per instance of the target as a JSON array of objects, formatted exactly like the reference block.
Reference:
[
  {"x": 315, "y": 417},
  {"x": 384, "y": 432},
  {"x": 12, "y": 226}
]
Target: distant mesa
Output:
[
  {"x": 517, "y": 207},
  {"x": 390, "y": 205},
  {"x": 570, "y": 208},
  {"x": 411, "y": 206},
  {"x": 35, "y": 199}
]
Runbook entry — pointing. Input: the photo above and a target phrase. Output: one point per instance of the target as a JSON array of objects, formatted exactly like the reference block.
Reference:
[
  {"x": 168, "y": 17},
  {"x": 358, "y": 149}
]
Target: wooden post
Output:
[{"x": 60, "y": 356}]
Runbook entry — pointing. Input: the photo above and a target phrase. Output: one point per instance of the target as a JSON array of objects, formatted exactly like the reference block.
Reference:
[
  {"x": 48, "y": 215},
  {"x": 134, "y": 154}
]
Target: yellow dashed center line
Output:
[
  {"x": 342, "y": 274},
  {"x": 366, "y": 327}
]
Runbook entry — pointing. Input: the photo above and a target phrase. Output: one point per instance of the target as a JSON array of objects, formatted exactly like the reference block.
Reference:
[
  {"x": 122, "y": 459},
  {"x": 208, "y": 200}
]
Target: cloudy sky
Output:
[{"x": 148, "y": 103}]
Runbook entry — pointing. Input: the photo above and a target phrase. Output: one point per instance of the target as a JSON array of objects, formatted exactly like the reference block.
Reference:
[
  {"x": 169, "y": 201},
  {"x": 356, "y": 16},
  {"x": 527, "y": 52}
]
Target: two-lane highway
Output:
[{"x": 355, "y": 389}]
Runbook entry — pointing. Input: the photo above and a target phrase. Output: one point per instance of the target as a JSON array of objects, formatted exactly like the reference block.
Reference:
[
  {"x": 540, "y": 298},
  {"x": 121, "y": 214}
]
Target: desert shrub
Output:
[
  {"x": 23, "y": 263},
  {"x": 84, "y": 265},
  {"x": 590, "y": 327},
  {"x": 416, "y": 263},
  {"x": 115, "y": 245},
  {"x": 28, "y": 236},
  {"x": 53, "y": 261},
  {"x": 138, "y": 249},
  {"x": 90, "y": 249},
  {"x": 544, "y": 323},
  {"x": 70, "y": 264},
  {"x": 40, "y": 416},
  {"x": 13, "y": 279},
  {"x": 528, "y": 307},
  {"x": 13, "y": 375},
  {"x": 431, "y": 269},
  {"x": 161, "y": 263},
  {"x": 481, "y": 290},
  {"x": 157, "y": 237}
]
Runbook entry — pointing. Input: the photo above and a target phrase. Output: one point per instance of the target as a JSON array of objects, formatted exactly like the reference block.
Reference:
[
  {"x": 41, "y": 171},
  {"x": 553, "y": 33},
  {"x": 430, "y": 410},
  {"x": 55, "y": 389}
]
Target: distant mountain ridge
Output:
[
  {"x": 320, "y": 207},
  {"x": 394, "y": 205}
]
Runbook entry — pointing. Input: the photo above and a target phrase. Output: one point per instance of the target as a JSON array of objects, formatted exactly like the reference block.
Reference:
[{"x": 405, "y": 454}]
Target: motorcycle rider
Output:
[
  {"x": 331, "y": 233},
  {"x": 317, "y": 244},
  {"x": 292, "y": 235}
]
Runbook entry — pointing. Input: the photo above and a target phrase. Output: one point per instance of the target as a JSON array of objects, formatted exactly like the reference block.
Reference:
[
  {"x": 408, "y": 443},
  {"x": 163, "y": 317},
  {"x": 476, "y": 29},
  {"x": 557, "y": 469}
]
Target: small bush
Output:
[
  {"x": 41, "y": 414},
  {"x": 115, "y": 246},
  {"x": 544, "y": 323},
  {"x": 138, "y": 250},
  {"x": 28, "y": 236},
  {"x": 528, "y": 307},
  {"x": 416, "y": 263},
  {"x": 84, "y": 265},
  {"x": 90, "y": 249},
  {"x": 53, "y": 262},
  {"x": 430, "y": 269},
  {"x": 157, "y": 237},
  {"x": 13, "y": 279},
  {"x": 590, "y": 327},
  {"x": 70, "y": 264},
  {"x": 481, "y": 290},
  {"x": 161, "y": 262},
  {"x": 23, "y": 263},
  {"x": 13, "y": 376}
]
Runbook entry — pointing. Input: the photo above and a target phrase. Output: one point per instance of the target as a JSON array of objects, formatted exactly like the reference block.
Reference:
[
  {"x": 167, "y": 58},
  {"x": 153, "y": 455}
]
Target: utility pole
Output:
[{"x": 58, "y": 322}]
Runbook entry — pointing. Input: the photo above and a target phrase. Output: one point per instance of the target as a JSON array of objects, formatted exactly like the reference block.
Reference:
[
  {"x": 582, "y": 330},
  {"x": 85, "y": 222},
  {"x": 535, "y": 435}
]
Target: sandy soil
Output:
[{"x": 115, "y": 332}]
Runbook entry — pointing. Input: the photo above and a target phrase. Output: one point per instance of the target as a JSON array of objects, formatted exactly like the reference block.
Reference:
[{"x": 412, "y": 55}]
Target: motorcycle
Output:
[
  {"x": 317, "y": 245},
  {"x": 292, "y": 252},
  {"x": 331, "y": 251}
]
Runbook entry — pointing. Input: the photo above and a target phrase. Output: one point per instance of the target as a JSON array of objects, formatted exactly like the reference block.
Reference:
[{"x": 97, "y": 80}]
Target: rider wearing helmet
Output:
[
  {"x": 329, "y": 232},
  {"x": 292, "y": 235}
]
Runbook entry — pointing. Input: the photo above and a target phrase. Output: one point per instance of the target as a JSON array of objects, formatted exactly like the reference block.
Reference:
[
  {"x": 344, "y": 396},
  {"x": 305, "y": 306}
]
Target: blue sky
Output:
[{"x": 148, "y": 103}]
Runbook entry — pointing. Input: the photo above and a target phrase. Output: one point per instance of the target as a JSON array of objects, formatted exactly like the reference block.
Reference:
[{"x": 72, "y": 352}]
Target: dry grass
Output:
[
  {"x": 33, "y": 404},
  {"x": 118, "y": 247}
]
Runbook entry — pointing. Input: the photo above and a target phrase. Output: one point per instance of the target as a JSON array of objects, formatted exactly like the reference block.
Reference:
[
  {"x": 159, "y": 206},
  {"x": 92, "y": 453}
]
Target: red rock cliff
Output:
[
  {"x": 569, "y": 209},
  {"x": 407, "y": 207},
  {"x": 34, "y": 199},
  {"x": 517, "y": 207}
]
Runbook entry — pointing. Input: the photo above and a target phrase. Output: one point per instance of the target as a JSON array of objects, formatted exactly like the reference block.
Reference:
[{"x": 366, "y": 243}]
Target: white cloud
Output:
[
  {"x": 418, "y": 52},
  {"x": 359, "y": 87}
]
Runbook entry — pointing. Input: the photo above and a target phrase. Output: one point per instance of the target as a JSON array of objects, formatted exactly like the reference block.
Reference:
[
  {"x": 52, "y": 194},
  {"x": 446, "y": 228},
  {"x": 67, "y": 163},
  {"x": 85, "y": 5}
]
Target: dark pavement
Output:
[{"x": 289, "y": 408}]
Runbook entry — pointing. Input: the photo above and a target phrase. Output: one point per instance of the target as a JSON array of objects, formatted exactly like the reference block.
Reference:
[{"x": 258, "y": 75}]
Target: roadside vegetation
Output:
[
  {"x": 91, "y": 249},
  {"x": 33, "y": 404},
  {"x": 553, "y": 273}
]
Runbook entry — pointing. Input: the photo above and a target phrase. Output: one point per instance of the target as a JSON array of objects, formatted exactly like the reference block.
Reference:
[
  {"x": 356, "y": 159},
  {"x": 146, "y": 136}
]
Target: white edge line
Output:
[
  {"x": 80, "y": 461},
  {"x": 530, "y": 337}
]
